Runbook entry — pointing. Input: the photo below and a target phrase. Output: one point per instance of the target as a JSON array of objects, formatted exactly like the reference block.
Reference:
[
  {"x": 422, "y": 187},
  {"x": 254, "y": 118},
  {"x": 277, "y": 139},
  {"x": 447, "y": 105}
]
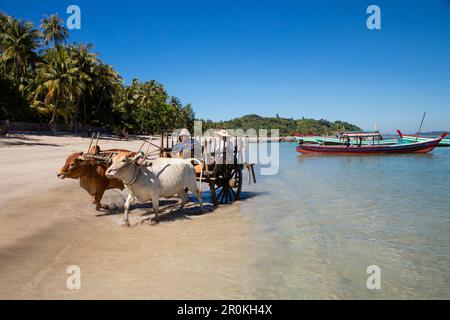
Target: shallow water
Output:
[{"x": 322, "y": 220}]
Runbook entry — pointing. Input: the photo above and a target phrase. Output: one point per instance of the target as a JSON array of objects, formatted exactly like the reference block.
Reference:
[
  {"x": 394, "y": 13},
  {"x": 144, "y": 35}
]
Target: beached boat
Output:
[
  {"x": 359, "y": 149},
  {"x": 409, "y": 138}
]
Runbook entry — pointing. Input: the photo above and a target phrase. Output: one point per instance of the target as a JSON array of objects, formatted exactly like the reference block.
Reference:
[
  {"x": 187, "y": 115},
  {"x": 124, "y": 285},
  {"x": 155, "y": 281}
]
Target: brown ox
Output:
[{"x": 91, "y": 174}]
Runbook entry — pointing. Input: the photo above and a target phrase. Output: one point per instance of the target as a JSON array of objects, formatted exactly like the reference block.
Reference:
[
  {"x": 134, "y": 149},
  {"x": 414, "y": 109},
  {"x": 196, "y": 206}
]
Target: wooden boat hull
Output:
[{"x": 418, "y": 147}]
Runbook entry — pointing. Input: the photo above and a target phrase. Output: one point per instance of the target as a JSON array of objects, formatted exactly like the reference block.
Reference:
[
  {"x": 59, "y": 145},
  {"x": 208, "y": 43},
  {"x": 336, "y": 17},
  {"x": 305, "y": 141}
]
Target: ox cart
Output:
[{"x": 224, "y": 178}]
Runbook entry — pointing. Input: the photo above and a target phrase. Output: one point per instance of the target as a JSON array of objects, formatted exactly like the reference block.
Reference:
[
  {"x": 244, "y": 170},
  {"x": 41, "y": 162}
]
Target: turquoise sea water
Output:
[{"x": 322, "y": 220}]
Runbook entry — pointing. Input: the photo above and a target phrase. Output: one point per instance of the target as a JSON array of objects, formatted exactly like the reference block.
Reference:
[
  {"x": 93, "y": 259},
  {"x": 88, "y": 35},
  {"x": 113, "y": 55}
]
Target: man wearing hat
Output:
[
  {"x": 185, "y": 146},
  {"x": 226, "y": 141}
]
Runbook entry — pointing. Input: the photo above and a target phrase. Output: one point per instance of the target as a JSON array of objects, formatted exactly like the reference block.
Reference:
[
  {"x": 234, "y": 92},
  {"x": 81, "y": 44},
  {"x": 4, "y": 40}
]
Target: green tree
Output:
[
  {"x": 127, "y": 105},
  {"x": 188, "y": 116},
  {"x": 18, "y": 44},
  {"x": 58, "y": 86},
  {"x": 151, "y": 97},
  {"x": 54, "y": 30},
  {"x": 107, "y": 87},
  {"x": 86, "y": 62}
]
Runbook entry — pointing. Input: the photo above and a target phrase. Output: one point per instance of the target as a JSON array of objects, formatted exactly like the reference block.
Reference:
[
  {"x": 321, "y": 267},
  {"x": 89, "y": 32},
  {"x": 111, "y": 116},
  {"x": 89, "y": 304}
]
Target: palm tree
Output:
[
  {"x": 175, "y": 107},
  {"x": 58, "y": 86},
  {"x": 188, "y": 115},
  {"x": 85, "y": 59},
  {"x": 151, "y": 96},
  {"x": 54, "y": 30},
  {"x": 19, "y": 42},
  {"x": 3, "y": 23},
  {"x": 126, "y": 104},
  {"x": 149, "y": 92},
  {"x": 108, "y": 82},
  {"x": 86, "y": 63}
]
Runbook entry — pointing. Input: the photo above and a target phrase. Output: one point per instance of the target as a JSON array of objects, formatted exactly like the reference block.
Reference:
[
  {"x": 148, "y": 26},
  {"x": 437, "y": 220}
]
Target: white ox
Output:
[{"x": 151, "y": 179}]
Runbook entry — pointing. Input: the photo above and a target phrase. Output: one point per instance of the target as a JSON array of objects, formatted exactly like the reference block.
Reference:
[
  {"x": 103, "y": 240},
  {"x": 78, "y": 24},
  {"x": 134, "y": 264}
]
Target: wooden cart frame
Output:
[{"x": 225, "y": 180}]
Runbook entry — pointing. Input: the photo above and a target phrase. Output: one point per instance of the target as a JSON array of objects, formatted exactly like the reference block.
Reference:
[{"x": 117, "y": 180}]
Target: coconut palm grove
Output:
[{"x": 47, "y": 80}]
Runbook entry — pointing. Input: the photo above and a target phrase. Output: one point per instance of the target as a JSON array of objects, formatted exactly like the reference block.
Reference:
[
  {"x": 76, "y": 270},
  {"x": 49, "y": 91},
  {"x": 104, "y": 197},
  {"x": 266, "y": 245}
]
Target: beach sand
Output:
[{"x": 48, "y": 224}]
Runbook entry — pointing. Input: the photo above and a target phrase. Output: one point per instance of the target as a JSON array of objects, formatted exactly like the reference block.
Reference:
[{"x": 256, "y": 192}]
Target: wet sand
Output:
[{"x": 48, "y": 224}]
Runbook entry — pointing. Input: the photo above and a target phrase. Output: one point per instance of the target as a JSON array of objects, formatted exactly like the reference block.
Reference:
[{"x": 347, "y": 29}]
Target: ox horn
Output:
[
  {"x": 141, "y": 160},
  {"x": 81, "y": 156},
  {"x": 138, "y": 155}
]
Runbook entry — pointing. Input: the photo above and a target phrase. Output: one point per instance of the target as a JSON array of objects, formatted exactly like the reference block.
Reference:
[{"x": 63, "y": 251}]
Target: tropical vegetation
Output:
[
  {"x": 45, "y": 80},
  {"x": 286, "y": 126}
]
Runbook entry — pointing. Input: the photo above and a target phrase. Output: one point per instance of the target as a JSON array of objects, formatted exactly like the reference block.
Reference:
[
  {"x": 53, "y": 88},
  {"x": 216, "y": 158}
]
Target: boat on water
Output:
[
  {"x": 310, "y": 139},
  {"x": 409, "y": 138},
  {"x": 360, "y": 149},
  {"x": 371, "y": 138}
]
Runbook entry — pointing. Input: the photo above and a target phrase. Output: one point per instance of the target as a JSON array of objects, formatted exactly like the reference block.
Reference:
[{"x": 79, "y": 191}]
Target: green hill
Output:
[{"x": 285, "y": 125}]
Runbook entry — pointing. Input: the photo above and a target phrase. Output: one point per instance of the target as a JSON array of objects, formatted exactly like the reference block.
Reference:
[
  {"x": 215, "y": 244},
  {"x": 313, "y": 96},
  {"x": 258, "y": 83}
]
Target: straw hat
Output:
[
  {"x": 223, "y": 133},
  {"x": 184, "y": 132}
]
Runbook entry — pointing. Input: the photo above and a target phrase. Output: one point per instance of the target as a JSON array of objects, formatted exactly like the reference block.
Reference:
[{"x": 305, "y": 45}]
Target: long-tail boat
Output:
[
  {"x": 408, "y": 138},
  {"x": 360, "y": 149},
  {"x": 310, "y": 139},
  {"x": 372, "y": 138}
]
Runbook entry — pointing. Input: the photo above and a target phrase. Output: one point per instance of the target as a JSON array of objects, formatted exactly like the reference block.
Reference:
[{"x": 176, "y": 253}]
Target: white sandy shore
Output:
[{"x": 47, "y": 224}]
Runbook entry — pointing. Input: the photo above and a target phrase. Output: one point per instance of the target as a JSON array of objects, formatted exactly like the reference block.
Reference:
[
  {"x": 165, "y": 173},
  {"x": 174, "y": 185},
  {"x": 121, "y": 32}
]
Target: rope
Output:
[{"x": 135, "y": 176}]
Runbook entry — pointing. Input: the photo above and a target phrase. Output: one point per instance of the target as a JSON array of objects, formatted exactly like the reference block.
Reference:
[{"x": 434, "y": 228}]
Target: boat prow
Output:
[{"x": 408, "y": 138}]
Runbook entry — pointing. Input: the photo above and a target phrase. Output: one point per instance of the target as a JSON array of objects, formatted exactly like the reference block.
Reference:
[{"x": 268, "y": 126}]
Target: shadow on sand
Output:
[
  {"x": 169, "y": 208},
  {"x": 18, "y": 140},
  {"x": 22, "y": 143}
]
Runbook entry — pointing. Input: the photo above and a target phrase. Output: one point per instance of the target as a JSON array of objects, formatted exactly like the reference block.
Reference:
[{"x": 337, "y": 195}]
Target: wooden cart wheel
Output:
[{"x": 227, "y": 185}]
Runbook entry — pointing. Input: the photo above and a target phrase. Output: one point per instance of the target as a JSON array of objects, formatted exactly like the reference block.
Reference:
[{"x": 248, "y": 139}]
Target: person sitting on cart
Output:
[
  {"x": 232, "y": 145},
  {"x": 185, "y": 146}
]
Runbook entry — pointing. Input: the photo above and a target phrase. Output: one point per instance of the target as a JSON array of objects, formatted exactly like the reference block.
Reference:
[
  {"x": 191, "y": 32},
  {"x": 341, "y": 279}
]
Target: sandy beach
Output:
[{"x": 48, "y": 224}]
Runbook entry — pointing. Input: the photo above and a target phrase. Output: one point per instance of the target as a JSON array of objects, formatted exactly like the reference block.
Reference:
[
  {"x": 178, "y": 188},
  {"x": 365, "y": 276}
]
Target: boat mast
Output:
[{"x": 420, "y": 128}]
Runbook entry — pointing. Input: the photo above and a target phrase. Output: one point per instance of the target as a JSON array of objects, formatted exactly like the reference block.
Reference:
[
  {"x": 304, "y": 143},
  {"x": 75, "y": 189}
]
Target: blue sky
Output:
[{"x": 296, "y": 58}]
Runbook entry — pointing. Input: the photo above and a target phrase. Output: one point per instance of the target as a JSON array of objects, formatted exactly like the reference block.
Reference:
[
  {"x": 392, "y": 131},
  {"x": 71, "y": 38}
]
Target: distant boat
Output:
[
  {"x": 310, "y": 139},
  {"x": 288, "y": 139},
  {"x": 408, "y": 138},
  {"x": 359, "y": 149}
]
